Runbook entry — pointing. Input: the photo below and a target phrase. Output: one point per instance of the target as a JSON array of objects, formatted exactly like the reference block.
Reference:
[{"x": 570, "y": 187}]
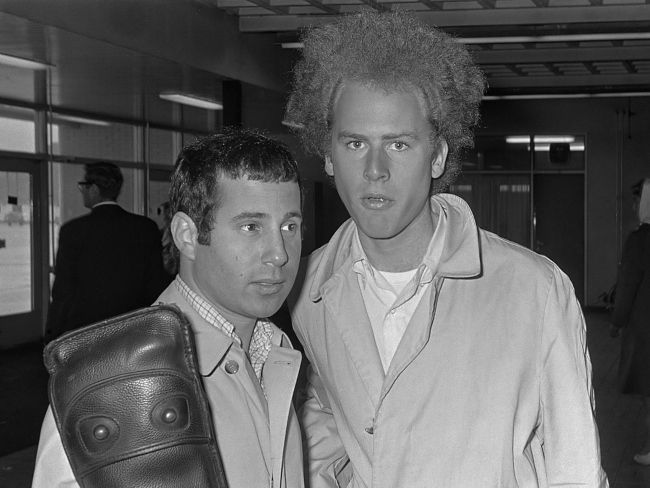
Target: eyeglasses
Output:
[{"x": 84, "y": 184}]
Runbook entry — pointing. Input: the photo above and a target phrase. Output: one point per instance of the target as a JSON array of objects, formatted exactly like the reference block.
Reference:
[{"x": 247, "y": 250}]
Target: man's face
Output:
[
  {"x": 382, "y": 160},
  {"x": 249, "y": 266}
]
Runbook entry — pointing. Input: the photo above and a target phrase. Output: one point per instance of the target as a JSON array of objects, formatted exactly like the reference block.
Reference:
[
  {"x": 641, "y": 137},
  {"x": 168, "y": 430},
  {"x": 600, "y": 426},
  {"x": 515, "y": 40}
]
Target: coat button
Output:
[
  {"x": 231, "y": 367},
  {"x": 369, "y": 430}
]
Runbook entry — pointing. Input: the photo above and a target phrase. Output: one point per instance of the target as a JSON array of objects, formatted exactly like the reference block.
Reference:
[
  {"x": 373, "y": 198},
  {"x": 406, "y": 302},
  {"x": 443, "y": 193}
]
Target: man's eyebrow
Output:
[
  {"x": 401, "y": 135},
  {"x": 289, "y": 215},
  {"x": 250, "y": 215},
  {"x": 263, "y": 215}
]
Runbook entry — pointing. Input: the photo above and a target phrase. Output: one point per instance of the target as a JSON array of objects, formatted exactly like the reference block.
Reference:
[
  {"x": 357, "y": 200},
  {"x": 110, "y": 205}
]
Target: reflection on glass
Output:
[
  {"x": 15, "y": 243},
  {"x": 565, "y": 152},
  {"x": 497, "y": 153}
]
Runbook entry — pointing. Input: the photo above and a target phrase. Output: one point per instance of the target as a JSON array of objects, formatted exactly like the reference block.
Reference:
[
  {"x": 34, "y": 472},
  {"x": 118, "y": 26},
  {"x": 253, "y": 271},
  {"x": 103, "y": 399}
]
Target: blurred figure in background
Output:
[
  {"x": 169, "y": 251},
  {"x": 108, "y": 261},
  {"x": 632, "y": 312}
]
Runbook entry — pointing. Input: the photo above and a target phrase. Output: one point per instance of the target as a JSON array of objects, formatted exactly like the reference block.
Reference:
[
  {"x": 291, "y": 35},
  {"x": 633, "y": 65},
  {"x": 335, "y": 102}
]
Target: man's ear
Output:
[
  {"x": 440, "y": 160},
  {"x": 329, "y": 168},
  {"x": 185, "y": 234}
]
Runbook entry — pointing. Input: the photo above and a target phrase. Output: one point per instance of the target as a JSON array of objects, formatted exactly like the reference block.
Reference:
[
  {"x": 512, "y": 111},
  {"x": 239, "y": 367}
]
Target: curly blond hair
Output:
[{"x": 393, "y": 51}]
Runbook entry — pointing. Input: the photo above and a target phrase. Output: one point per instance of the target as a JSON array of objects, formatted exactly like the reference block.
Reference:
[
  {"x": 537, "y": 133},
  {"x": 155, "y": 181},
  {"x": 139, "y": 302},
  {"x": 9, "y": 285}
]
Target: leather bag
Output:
[{"x": 130, "y": 406}]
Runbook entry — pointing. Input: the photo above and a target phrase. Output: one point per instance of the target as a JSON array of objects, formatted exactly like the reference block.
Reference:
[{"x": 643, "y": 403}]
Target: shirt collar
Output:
[{"x": 261, "y": 340}]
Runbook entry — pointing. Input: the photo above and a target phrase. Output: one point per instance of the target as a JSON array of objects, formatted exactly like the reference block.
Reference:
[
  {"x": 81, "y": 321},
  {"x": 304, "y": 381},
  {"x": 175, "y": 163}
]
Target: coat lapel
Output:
[
  {"x": 280, "y": 375},
  {"x": 342, "y": 293}
]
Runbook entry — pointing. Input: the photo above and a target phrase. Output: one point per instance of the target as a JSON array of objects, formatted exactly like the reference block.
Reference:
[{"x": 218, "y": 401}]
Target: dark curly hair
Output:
[
  {"x": 231, "y": 153},
  {"x": 393, "y": 51}
]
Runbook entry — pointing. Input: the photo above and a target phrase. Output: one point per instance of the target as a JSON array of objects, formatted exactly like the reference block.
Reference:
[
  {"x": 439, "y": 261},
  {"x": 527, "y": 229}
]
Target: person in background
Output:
[
  {"x": 169, "y": 251},
  {"x": 108, "y": 261},
  {"x": 632, "y": 312},
  {"x": 236, "y": 200},
  {"x": 442, "y": 355}
]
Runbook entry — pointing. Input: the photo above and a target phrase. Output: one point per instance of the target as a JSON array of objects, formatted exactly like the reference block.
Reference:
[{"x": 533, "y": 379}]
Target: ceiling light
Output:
[
  {"x": 22, "y": 62},
  {"x": 192, "y": 100},
  {"x": 540, "y": 139}
]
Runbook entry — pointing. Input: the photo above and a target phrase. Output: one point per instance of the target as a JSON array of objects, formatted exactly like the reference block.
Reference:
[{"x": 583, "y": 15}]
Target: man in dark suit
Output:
[{"x": 108, "y": 262}]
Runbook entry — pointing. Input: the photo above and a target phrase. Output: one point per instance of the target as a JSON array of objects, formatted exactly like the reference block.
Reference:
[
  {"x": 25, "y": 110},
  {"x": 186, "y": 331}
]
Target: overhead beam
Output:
[
  {"x": 577, "y": 54},
  {"x": 570, "y": 81},
  {"x": 478, "y": 17}
]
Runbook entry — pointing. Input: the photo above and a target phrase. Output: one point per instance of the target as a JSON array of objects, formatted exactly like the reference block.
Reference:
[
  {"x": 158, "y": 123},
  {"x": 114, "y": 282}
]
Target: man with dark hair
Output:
[
  {"x": 236, "y": 203},
  {"x": 442, "y": 355},
  {"x": 108, "y": 261}
]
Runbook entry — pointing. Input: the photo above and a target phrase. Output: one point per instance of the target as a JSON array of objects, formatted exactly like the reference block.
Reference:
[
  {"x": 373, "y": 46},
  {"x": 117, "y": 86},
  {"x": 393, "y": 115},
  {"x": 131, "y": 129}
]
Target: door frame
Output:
[{"x": 28, "y": 327}]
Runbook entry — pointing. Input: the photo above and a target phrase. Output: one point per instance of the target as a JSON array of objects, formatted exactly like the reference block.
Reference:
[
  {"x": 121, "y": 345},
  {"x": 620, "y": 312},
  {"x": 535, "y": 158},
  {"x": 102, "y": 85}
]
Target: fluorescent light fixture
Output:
[
  {"x": 80, "y": 120},
  {"x": 192, "y": 100},
  {"x": 576, "y": 146},
  {"x": 292, "y": 45},
  {"x": 8, "y": 60},
  {"x": 549, "y": 96},
  {"x": 620, "y": 36},
  {"x": 540, "y": 139}
]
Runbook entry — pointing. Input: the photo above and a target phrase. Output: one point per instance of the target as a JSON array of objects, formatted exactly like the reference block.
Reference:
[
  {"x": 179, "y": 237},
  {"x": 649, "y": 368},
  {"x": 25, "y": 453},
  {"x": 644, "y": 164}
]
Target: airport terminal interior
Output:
[{"x": 564, "y": 134}]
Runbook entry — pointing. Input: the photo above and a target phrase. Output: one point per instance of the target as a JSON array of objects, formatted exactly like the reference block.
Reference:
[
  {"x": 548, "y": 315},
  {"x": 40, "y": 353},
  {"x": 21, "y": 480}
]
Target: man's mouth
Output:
[{"x": 376, "y": 202}]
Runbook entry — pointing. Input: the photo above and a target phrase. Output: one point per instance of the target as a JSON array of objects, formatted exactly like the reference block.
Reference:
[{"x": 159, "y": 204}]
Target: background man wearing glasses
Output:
[{"x": 108, "y": 261}]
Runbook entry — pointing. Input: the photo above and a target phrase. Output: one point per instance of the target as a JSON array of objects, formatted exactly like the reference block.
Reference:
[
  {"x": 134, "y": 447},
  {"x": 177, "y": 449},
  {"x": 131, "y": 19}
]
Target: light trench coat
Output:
[
  {"x": 490, "y": 386},
  {"x": 259, "y": 440}
]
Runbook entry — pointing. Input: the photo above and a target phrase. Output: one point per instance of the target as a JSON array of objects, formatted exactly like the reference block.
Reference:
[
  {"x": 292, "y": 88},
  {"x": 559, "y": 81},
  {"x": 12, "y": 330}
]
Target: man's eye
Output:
[
  {"x": 250, "y": 227},
  {"x": 399, "y": 146},
  {"x": 355, "y": 144},
  {"x": 290, "y": 227}
]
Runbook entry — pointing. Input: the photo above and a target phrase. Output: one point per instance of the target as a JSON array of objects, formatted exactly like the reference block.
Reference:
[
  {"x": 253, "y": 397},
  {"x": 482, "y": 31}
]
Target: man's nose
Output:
[
  {"x": 376, "y": 165},
  {"x": 275, "y": 252}
]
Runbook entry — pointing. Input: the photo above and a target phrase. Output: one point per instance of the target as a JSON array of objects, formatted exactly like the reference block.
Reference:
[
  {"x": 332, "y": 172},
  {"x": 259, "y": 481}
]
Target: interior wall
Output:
[{"x": 617, "y": 134}]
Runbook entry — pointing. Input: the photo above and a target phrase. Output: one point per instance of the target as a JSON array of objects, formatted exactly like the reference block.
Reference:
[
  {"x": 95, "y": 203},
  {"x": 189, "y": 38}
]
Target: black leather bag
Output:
[{"x": 130, "y": 406}]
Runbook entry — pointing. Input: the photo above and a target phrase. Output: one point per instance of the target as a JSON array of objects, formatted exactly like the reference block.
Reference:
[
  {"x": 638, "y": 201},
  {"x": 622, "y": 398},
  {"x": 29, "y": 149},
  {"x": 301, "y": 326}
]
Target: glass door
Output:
[{"x": 21, "y": 309}]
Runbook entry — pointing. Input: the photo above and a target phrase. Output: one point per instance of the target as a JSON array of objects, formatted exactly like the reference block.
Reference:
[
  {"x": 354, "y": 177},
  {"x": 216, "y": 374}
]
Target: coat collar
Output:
[
  {"x": 455, "y": 227},
  {"x": 211, "y": 344}
]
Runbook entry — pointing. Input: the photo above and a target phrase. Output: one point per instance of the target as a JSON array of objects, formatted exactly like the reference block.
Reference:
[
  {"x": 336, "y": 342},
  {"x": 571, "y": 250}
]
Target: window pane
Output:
[
  {"x": 15, "y": 243},
  {"x": 17, "y": 129},
  {"x": 559, "y": 152},
  {"x": 93, "y": 138},
  {"x": 66, "y": 202},
  {"x": 163, "y": 146},
  {"x": 500, "y": 203},
  {"x": 499, "y": 153},
  {"x": 17, "y": 83}
]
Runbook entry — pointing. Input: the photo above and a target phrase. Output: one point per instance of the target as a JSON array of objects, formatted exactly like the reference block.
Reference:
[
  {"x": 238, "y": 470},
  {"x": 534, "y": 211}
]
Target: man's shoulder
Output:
[{"x": 500, "y": 253}]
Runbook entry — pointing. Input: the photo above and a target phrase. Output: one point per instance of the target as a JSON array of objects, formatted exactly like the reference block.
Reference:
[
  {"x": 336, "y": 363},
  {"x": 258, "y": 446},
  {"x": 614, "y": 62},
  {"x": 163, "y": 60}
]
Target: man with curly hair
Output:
[{"x": 441, "y": 354}]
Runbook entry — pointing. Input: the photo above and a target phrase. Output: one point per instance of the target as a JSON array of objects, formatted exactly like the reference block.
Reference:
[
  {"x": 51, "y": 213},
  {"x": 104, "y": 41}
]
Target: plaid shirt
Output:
[{"x": 258, "y": 351}]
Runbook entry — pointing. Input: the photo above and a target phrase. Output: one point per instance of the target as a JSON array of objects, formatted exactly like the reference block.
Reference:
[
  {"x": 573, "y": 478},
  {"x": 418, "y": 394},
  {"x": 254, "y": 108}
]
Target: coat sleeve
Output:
[
  {"x": 52, "y": 468},
  {"x": 327, "y": 464},
  {"x": 567, "y": 429},
  {"x": 65, "y": 282},
  {"x": 630, "y": 275}
]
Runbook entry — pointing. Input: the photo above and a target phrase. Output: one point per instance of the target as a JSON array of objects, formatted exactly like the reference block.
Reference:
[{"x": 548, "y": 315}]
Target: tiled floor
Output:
[{"x": 618, "y": 418}]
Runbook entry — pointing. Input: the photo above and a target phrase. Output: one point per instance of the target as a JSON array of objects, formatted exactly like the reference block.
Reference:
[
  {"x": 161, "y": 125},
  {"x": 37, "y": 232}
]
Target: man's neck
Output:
[{"x": 404, "y": 251}]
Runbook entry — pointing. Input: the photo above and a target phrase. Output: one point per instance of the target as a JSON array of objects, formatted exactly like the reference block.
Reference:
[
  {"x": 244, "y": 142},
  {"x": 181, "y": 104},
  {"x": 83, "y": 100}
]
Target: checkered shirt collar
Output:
[{"x": 260, "y": 346}]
